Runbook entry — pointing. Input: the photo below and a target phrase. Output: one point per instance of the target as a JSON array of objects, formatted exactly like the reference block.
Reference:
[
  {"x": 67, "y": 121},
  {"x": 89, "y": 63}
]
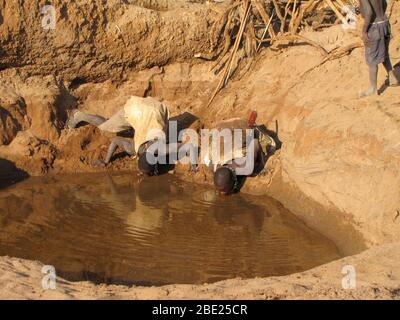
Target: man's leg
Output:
[
  {"x": 392, "y": 80},
  {"x": 125, "y": 144},
  {"x": 79, "y": 116},
  {"x": 117, "y": 123},
  {"x": 373, "y": 82}
]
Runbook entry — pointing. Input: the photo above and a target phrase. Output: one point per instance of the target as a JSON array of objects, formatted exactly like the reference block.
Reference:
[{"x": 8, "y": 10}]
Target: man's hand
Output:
[
  {"x": 365, "y": 38},
  {"x": 194, "y": 168},
  {"x": 99, "y": 163}
]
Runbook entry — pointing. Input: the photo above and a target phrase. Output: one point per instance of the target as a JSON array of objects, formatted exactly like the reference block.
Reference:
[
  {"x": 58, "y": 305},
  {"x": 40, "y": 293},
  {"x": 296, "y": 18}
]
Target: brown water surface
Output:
[{"x": 154, "y": 231}]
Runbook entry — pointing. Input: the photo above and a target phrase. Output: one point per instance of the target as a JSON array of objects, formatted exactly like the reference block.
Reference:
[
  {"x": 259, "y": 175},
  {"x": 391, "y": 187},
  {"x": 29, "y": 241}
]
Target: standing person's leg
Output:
[
  {"x": 374, "y": 55},
  {"x": 373, "y": 82},
  {"x": 371, "y": 57},
  {"x": 392, "y": 80}
]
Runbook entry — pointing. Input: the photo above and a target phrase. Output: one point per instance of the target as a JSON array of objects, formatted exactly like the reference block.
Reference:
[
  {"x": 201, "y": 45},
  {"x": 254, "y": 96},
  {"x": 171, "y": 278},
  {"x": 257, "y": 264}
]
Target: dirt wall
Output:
[{"x": 100, "y": 40}]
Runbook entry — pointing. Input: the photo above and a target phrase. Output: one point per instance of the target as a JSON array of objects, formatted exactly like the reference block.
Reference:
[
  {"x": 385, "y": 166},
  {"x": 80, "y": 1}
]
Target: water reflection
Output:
[{"x": 122, "y": 229}]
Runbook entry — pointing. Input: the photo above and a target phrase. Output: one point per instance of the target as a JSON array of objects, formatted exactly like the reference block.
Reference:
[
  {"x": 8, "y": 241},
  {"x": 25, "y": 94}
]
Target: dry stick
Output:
[
  {"x": 296, "y": 37},
  {"x": 310, "y": 6},
  {"x": 342, "y": 51},
  {"x": 282, "y": 28},
  {"x": 278, "y": 12},
  {"x": 340, "y": 3},
  {"x": 285, "y": 16},
  {"x": 264, "y": 15},
  {"x": 239, "y": 38},
  {"x": 222, "y": 63},
  {"x": 235, "y": 47},
  {"x": 224, "y": 17},
  {"x": 336, "y": 54},
  {"x": 227, "y": 36},
  {"x": 335, "y": 10},
  {"x": 265, "y": 32},
  {"x": 294, "y": 26},
  {"x": 279, "y": 15},
  {"x": 294, "y": 14},
  {"x": 252, "y": 42},
  {"x": 294, "y": 17},
  {"x": 297, "y": 20}
]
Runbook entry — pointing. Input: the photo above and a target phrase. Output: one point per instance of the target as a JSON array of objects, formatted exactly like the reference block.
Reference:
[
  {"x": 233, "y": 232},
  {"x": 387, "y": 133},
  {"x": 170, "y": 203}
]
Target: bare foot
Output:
[
  {"x": 194, "y": 168},
  {"x": 368, "y": 93},
  {"x": 71, "y": 122},
  {"x": 99, "y": 163}
]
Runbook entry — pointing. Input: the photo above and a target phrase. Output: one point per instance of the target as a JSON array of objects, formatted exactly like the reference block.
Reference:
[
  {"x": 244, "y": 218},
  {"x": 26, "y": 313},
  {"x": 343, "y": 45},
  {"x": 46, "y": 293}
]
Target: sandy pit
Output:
[{"x": 337, "y": 169}]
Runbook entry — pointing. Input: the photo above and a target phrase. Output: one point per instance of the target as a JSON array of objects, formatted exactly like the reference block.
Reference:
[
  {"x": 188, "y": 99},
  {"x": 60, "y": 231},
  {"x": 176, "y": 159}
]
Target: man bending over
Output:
[
  {"x": 149, "y": 119},
  {"x": 228, "y": 170}
]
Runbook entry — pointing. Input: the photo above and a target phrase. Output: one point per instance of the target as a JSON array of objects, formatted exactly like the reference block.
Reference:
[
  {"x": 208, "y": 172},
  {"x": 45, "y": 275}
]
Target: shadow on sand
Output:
[
  {"x": 385, "y": 85},
  {"x": 10, "y": 174}
]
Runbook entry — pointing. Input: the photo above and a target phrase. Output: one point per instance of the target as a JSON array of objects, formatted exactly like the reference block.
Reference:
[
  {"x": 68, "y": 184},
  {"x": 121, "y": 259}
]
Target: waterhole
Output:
[{"x": 119, "y": 228}]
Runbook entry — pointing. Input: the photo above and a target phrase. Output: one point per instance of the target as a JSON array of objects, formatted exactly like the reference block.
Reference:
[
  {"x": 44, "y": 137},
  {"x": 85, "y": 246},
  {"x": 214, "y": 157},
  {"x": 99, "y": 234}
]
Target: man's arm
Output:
[
  {"x": 258, "y": 158},
  {"x": 367, "y": 13},
  {"x": 126, "y": 144}
]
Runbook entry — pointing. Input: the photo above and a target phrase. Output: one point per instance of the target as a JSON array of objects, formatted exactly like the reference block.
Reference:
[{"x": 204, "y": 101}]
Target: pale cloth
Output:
[
  {"x": 212, "y": 158},
  {"x": 115, "y": 124},
  {"x": 149, "y": 117}
]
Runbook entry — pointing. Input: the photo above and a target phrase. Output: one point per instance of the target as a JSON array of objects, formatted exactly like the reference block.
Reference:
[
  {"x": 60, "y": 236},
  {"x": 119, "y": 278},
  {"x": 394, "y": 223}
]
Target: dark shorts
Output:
[{"x": 377, "y": 48}]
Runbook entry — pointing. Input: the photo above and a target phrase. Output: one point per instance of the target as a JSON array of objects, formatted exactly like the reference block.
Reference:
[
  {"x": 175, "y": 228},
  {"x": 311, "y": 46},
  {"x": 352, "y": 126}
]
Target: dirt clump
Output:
[
  {"x": 12, "y": 114},
  {"x": 36, "y": 156}
]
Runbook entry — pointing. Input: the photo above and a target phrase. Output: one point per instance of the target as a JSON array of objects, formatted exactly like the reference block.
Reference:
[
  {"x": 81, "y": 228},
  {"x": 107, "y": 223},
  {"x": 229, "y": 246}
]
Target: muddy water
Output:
[{"x": 120, "y": 229}]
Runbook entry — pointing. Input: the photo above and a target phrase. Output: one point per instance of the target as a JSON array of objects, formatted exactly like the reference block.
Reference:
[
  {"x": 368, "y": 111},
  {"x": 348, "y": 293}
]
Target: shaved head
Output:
[
  {"x": 224, "y": 180},
  {"x": 145, "y": 165}
]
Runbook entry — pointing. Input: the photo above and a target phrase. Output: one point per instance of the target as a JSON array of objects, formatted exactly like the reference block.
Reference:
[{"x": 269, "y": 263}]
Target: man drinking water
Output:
[
  {"x": 232, "y": 165},
  {"x": 149, "y": 119}
]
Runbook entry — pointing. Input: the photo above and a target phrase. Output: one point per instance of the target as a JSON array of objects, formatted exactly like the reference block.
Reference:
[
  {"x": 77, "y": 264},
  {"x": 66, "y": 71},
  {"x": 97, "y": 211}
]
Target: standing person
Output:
[{"x": 376, "y": 33}]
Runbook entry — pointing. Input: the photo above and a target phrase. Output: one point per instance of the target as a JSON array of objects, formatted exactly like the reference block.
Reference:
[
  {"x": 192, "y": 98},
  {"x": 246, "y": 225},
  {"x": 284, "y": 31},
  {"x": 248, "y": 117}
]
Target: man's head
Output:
[
  {"x": 225, "y": 180},
  {"x": 147, "y": 165}
]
